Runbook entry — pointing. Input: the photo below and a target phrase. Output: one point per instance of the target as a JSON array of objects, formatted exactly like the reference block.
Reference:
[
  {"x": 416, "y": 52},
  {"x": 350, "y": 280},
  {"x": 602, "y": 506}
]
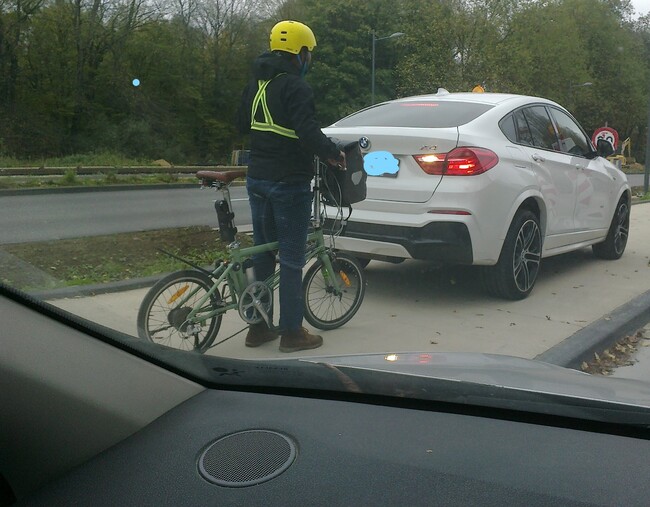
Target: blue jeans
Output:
[{"x": 281, "y": 212}]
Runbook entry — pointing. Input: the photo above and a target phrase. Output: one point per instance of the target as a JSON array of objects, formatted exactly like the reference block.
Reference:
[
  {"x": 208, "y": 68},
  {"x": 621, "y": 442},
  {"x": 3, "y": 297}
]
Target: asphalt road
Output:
[{"x": 43, "y": 217}]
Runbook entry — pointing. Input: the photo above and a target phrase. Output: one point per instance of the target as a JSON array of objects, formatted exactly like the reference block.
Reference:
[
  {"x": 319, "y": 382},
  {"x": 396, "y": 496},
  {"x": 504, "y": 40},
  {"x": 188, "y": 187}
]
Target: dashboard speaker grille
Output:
[{"x": 247, "y": 458}]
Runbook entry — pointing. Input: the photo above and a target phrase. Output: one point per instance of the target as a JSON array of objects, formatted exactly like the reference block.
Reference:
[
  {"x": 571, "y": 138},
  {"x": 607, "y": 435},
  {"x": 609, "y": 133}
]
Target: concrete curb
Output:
[
  {"x": 95, "y": 289},
  {"x": 599, "y": 335}
]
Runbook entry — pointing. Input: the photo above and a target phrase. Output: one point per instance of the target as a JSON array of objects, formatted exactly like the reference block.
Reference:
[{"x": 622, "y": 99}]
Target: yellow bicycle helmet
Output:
[{"x": 291, "y": 36}]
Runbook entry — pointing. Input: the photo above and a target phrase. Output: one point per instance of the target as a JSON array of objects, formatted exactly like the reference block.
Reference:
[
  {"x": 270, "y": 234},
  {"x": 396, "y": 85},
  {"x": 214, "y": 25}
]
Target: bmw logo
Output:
[{"x": 364, "y": 143}]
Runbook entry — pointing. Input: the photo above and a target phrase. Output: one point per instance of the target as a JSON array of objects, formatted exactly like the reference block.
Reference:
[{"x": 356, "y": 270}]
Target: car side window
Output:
[
  {"x": 541, "y": 128},
  {"x": 515, "y": 128},
  {"x": 571, "y": 138},
  {"x": 523, "y": 131},
  {"x": 507, "y": 126}
]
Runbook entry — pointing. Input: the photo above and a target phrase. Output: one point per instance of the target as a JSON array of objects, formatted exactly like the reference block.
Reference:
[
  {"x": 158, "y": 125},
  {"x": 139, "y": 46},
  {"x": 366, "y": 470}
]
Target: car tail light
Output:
[
  {"x": 464, "y": 161},
  {"x": 432, "y": 163}
]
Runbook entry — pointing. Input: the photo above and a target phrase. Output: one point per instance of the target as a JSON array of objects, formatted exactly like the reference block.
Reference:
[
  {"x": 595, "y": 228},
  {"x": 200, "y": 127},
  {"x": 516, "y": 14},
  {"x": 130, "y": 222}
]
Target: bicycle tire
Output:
[
  {"x": 160, "y": 322},
  {"x": 323, "y": 308}
]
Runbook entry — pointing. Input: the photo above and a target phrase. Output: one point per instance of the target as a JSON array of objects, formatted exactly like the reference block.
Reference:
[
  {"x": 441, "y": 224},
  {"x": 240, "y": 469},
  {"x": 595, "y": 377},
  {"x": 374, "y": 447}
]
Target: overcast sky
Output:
[{"x": 641, "y": 6}]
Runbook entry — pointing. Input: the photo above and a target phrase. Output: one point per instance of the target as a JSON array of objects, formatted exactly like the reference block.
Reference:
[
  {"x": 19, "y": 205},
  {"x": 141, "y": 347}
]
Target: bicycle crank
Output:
[{"x": 255, "y": 303}]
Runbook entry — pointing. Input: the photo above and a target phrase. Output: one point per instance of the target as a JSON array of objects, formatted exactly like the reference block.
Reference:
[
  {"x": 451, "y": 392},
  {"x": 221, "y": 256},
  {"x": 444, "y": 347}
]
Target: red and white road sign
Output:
[{"x": 607, "y": 133}]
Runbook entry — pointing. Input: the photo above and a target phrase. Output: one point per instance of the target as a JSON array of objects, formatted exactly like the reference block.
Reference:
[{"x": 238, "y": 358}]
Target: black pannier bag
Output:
[{"x": 344, "y": 188}]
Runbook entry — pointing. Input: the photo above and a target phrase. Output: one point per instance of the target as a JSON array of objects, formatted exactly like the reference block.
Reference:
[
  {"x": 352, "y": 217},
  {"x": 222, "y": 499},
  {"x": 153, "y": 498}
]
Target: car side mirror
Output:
[{"x": 604, "y": 148}]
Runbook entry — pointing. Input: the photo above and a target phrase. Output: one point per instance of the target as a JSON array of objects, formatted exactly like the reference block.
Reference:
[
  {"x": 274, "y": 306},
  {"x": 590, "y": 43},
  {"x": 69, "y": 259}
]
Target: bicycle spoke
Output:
[
  {"x": 328, "y": 305},
  {"x": 166, "y": 319}
]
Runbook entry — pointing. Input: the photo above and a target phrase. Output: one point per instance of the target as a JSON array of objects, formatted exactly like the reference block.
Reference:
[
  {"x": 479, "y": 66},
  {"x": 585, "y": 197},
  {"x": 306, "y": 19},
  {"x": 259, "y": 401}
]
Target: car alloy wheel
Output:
[
  {"x": 527, "y": 255},
  {"x": 622, "y": 227}
]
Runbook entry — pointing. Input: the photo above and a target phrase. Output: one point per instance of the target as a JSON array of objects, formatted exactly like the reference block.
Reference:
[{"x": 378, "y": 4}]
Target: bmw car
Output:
[{"x": 494, "y": 180}]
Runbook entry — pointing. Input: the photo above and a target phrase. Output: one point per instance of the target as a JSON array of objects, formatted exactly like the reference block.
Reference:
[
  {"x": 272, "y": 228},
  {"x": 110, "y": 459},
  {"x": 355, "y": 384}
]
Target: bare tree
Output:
[{"x": 12, "y": 31}]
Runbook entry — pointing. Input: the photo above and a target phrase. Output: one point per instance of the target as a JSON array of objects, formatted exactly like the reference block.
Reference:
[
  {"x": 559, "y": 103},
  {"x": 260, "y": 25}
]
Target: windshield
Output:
[
  {"x": 158, "y": 185},
  {"x": 420, "y": 114}
]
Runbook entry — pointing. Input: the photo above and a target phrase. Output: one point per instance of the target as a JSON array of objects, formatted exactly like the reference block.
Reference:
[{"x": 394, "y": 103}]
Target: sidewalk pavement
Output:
[{"x": 579, "y": 304}]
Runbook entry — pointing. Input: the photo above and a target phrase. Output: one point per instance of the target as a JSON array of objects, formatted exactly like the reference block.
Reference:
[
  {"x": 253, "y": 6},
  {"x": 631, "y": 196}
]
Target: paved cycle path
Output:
[{"x": 414, "y": 306}]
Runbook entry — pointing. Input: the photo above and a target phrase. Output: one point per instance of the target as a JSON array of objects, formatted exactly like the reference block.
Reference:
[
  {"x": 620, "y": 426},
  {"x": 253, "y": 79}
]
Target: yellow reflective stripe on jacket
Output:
[{"x": 267, "y": 125}]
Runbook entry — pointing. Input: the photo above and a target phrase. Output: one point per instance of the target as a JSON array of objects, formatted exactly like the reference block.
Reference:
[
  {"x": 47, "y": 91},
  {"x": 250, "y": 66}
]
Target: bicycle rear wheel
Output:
[
  {"x": 161, "y": 320},
  {"x": 325, "y": 307}
]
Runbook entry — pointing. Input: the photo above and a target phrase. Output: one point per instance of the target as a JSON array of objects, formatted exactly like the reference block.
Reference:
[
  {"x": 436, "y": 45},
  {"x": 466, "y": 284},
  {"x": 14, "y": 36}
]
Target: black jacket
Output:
[{"x": 291, "y": 104}]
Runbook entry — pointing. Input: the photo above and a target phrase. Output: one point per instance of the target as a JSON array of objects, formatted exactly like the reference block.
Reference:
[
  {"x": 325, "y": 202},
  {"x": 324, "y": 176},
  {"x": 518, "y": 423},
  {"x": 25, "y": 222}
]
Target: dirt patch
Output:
[{"x": 101, "y": 259}]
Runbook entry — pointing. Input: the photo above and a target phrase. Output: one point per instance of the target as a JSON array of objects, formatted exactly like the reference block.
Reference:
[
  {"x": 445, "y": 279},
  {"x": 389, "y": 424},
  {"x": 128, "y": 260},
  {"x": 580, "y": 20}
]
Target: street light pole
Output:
[
  {"x": 372, "y": 93},
  {"x": 646, "y": 172},
  {"x": 374, "y": 41}
]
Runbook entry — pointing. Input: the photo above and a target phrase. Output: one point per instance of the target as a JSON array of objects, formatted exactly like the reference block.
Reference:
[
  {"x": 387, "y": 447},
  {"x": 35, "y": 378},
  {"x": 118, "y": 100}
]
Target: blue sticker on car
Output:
[{"x": 380, "y": 163}]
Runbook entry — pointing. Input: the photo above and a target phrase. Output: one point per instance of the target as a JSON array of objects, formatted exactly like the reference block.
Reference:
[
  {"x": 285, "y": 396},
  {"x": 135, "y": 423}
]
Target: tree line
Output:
[{"x": 162, "y": 79}]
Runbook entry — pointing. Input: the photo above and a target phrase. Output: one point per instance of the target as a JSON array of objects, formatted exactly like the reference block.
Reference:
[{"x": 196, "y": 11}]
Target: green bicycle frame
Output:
[{"x": 232, "y": 273}]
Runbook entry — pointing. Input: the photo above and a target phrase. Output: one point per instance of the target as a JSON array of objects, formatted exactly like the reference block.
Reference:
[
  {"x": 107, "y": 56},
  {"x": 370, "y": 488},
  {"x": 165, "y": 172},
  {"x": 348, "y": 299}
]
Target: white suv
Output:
[{"x": 494, "y": 180}]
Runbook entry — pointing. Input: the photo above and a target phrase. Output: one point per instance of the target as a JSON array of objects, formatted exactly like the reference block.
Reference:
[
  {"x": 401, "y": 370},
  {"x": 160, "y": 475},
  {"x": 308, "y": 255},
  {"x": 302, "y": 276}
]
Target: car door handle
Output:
[{"x": 538, "y": 158}]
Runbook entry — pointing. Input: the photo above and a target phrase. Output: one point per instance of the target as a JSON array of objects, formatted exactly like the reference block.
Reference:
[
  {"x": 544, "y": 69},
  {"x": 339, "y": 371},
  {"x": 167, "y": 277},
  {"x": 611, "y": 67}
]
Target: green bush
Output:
[{"x": 69, "y": 177}]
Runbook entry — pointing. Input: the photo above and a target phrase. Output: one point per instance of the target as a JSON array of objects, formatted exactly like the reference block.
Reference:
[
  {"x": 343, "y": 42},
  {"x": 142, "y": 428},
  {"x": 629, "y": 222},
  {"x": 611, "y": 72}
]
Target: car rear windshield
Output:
[{"x": 417, "y": 114}]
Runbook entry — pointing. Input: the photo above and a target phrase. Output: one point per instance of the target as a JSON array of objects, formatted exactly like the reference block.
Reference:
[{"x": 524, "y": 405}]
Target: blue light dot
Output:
[{"x": 136, "y": 82}]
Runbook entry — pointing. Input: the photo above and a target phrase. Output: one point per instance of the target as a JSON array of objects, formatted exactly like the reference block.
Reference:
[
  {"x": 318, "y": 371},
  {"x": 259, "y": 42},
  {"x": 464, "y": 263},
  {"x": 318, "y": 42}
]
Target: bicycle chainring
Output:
[{"x": 255, "y": 303}]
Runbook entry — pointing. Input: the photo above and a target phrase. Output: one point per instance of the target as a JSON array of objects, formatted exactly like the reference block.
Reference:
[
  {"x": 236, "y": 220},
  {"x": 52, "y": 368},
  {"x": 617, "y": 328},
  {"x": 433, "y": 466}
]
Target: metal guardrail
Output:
[{"x": 90, "y": 170}]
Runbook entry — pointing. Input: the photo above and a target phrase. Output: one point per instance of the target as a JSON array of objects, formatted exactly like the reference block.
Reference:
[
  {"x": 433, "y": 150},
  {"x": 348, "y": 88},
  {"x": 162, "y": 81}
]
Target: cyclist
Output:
[{"x": 277, "y": 109}]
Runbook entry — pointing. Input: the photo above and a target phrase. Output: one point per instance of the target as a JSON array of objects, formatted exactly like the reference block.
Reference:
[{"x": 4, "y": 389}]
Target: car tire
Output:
[
  {"x": 157, "y": 309},
  {"x": 324, "y": 307},
  {"x": 614, "y": 245},
  {"x": 514, "y": 275}
]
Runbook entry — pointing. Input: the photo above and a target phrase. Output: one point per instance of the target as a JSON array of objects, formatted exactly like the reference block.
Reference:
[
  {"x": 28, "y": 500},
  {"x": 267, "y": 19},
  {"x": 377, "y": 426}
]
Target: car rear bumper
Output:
[{"x": 447, "y": 242}]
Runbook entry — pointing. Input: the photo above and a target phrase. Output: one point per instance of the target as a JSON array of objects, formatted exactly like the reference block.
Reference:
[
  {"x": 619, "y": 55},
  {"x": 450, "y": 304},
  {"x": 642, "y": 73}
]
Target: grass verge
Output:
[
  {"x": 101, "y": 158},
  {"x": 102, "y": 259},
  {"x": 71, "y": 179}
]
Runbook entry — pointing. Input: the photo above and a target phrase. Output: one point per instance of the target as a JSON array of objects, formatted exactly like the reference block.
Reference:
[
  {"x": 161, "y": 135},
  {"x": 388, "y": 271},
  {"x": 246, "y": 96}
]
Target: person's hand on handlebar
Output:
[{"x": 338, "y": 163}]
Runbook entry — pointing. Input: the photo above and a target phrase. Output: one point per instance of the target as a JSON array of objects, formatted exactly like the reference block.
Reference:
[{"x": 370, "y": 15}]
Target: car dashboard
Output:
[
  {"x": 84, "y": 422},
  {"x": 292, "y": 450}
]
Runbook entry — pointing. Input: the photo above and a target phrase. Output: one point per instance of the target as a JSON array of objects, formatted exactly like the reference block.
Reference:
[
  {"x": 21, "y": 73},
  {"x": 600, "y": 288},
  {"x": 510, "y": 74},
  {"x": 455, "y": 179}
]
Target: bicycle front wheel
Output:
[
  {"x": 325, "y": 306},
  {"x": 163, "y": 314}
]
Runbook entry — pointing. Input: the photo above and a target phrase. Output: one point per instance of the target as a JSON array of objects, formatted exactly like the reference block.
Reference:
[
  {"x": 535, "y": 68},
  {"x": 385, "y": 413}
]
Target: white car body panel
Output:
[
  {"x": 575, "y": 196},
  {"x": 411, "y": 184}
]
